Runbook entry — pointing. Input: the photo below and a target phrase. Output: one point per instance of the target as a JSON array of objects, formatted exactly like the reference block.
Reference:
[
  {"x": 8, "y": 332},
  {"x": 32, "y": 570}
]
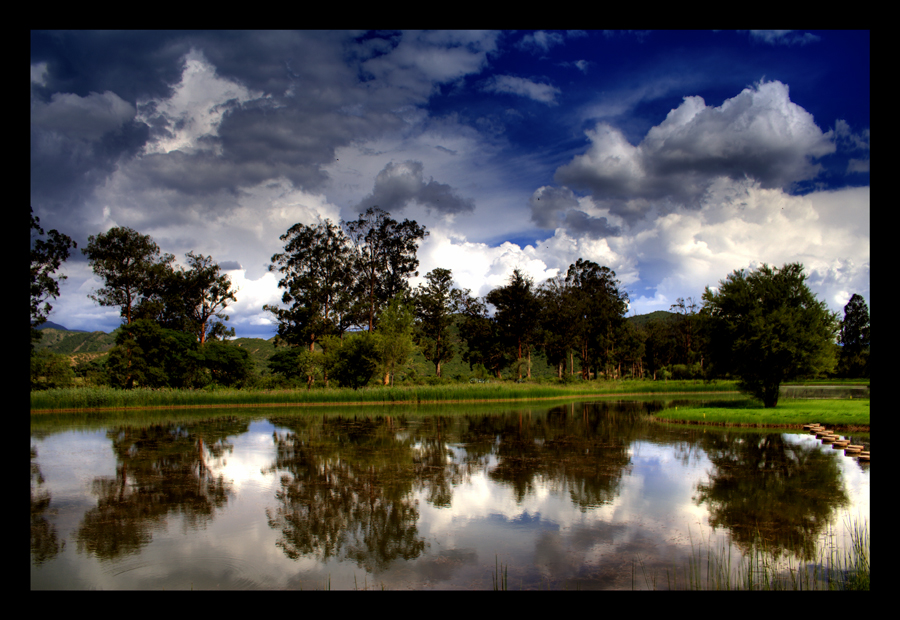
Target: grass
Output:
[
  {"x": 108, "y": 398},
  {"x": 788, "y": 413}
]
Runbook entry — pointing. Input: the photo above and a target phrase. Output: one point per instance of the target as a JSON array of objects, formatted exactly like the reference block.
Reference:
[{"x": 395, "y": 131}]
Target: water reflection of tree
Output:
[
  {"x": 161, "y": 470},
  {"x": 768, "y": 492},
  {"x": 45, "y": 544},
  {"x": 580, "y": 449},
  {"x": 345, "y": 491}
]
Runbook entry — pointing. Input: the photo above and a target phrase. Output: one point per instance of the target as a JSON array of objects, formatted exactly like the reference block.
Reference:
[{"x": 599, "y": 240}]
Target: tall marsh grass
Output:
[
  {"x": 110, "y": 398},
  {"x": 832, "y": 568}
]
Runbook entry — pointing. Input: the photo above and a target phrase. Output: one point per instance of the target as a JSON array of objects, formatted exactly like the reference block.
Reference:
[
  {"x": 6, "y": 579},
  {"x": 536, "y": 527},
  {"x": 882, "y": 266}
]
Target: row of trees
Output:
[
  {"x": 173, "y": 331},
  {"x": 763, "y": 326}
]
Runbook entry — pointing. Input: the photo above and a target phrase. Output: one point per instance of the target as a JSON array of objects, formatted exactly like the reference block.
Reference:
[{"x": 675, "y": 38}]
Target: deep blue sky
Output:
[{"x": 672, "y": 157}]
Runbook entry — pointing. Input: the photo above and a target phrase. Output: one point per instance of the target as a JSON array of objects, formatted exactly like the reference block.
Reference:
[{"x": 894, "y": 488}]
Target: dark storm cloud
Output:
[
  {"x": 300, "y": 97},
  {"x": 547, "y": 203},
  {"x": 758, "y": 134},
  {"x": 132, "y": 64},
  {"x": 589, "y": 225},
  {"x": 398, "y": 184},
  {"x": 558, "y": 207}
]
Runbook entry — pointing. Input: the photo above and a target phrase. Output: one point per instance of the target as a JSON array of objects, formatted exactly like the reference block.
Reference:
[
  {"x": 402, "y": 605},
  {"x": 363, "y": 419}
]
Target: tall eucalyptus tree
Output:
[
  {"x": 127, "y": 261},
  {"x": 600, "y": 308},
  {"x": 384, "y": 254},
  {"x": 318, "y": 279},
  {"x": 517, "y": 315}
]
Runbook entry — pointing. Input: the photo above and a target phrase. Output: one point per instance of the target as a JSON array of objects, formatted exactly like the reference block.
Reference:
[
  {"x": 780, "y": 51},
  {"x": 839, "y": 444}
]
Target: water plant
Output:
[{"x": 832, "y": 568}]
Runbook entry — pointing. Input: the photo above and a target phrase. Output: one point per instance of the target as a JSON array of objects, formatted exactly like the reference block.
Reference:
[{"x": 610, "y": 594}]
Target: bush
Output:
[{"x": 50, "y": 370}]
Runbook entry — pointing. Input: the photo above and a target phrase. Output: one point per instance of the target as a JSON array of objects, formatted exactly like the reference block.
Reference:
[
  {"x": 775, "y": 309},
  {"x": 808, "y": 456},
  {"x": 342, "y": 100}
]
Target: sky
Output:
[{"x": 671, "y": 157}]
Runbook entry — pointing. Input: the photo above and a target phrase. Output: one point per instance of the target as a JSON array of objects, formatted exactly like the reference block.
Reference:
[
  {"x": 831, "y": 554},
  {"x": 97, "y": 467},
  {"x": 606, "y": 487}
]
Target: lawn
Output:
[{"x": 789, "y": 412}]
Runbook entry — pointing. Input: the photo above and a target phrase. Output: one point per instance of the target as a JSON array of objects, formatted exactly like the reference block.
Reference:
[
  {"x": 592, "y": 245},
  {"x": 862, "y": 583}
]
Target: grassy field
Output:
[
  {"x": 109, "y": 398},
  {"x": 789, "y": 413}
]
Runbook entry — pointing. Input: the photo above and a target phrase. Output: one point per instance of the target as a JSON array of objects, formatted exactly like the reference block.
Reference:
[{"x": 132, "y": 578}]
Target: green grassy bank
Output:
[
  {"x": 848, "y": 414},
  {"x": 108, "y": 398}
]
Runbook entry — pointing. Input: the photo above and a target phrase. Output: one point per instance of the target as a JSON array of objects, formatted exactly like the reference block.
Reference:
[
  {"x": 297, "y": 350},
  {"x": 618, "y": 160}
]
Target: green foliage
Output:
[
  {"x": 854, "y": 339},
  {"x": 516, "y": 317},
  {"x": 47, "y": 255},
  {"x": 355, "y": 361},
  {"x": 393, "y": 340},
  {"x": 297, "y": 362},
  {"x": 50, "y": 370},
  {"x": 485, "y": 341},
  {"x": 437, "y": 304},
  {"x": 227, "y": 364},
  {"x": 384, "y": 257},
  {"x": 188, "y": 300},
  {"x": 599, "y": 310},
  {"x": 92, "y": 370},
  {"x": 767, "y": 327},
  {"x": 129, "y": 264},
  {"x": 152, "y": 356},
  {"x": 317, "y": 277}
]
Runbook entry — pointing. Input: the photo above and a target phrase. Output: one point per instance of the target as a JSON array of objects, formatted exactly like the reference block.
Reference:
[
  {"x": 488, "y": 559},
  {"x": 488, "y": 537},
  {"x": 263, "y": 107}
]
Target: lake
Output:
[{"x": 580, "y": 495}]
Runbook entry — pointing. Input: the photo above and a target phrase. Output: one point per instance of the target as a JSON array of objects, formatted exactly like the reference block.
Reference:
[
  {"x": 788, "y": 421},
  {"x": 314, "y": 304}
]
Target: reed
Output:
[
  {"x": 717, "y": 569},
  {"x": 501, "y": 575},
  {"x": 110, "y": 398}
]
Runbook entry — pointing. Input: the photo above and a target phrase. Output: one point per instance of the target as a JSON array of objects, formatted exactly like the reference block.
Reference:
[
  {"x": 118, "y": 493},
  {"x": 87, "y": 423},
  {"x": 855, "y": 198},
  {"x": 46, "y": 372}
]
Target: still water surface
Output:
[{"x": 567, "y": 496}]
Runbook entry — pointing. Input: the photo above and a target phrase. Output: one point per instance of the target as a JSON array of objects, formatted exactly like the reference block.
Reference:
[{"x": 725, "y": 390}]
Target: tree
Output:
[
  {"x": 485, "y": 343},
  {"x": 600, "y": 308},
  {"x": 153, "y": 356},
  {"x": 557, "y": 322},
  {"x": 228, "y": 364},
  {"x": 354, "y": 361},
  {"x": 765, "y": 326},
  {"x": 207, "y": 292},
  {"x": 128, "y": 262},
  {"x": 384, "y": 254},
  {"x": 394, "y": 336},
  {"x": 437, "y": 304},
  {"x": 517, "y": 315},
  {"x": 854, "y": 339},
  {"x": 50, "y": 370},
  {"x": 317, "y": 278},
  {"x": 46, "y": 257}
]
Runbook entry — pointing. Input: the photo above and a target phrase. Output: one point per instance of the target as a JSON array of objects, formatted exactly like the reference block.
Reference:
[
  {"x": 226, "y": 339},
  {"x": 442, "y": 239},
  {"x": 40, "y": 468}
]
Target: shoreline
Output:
[{"x": 376, "y": 402}]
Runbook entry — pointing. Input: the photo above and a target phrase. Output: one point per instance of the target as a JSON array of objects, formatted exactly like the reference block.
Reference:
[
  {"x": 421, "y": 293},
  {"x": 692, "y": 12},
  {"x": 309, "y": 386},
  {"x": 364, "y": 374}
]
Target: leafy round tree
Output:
[{"x": 765, "y": 326}]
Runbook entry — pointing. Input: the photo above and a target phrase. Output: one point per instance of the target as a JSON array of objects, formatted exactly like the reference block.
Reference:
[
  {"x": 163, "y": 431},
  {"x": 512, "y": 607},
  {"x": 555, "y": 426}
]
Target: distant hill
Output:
[
  {"x": 641, "y": 320},
  {"x": 73, "y": 342},
  {"x": 52, "y": 325}
]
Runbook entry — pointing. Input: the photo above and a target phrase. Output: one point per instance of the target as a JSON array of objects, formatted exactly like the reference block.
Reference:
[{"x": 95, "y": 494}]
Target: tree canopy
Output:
[
  {"x": 127, "y": 262},
  {"x": 765, "y": 326},
  {"x": 318, "y": 279},
  {"x": 384, "y": 252},
  {"x": 437, "y": 304}
]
